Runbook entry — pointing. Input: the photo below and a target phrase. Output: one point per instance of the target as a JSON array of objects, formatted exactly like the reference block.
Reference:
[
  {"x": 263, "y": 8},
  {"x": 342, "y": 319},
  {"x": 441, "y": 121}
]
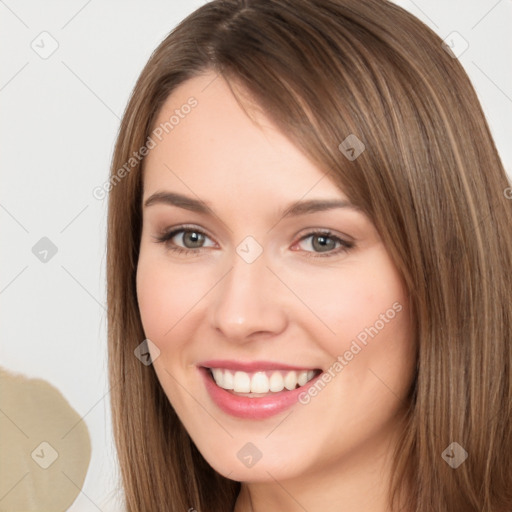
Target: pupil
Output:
[
  {"x": 325, "y": 243},
  {"x": 193, "y": 239}
]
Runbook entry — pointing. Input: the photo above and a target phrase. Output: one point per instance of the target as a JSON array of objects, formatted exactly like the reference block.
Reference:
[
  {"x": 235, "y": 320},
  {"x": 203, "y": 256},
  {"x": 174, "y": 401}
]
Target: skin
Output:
[{"x": 290, "y": 305}]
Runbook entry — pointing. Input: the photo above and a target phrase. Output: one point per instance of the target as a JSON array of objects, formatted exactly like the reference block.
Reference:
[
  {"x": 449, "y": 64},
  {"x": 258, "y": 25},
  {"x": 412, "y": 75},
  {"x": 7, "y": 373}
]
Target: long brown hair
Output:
[{"x": 430, "y": 179}]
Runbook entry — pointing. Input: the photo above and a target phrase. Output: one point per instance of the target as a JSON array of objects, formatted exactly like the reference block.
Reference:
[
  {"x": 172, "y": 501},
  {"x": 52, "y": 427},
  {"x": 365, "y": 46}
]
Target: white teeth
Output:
[
  {"x": 303, "y": 377},
  {"x": 242, "y": 382},
  {"x": 223, "y": 378},
  {"x": 290, "y": 381},
  {"x": 276, "y": 382},
  {"x": 218, "y": 376},
  {"x": 229, "y": 381},
  {"x": 259, "y": 383},
  {"x": 262, "y": 381}
]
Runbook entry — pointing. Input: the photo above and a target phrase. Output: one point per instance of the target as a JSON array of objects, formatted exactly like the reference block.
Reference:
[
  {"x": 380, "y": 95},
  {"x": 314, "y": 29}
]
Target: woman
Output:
[{"x": 309, "y": 239}]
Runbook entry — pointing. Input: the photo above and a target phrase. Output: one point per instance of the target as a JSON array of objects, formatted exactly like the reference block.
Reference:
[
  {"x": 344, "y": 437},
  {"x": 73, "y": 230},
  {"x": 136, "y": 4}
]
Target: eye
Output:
[
  {"x": 185, "y": 239},
  {"x": 323, "y": 243},
  {"x": 191, "y": 240}
]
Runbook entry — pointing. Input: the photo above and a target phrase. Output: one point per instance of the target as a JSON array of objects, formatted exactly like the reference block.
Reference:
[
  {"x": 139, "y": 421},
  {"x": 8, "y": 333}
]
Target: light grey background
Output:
[{"x": 60, "y": 116}]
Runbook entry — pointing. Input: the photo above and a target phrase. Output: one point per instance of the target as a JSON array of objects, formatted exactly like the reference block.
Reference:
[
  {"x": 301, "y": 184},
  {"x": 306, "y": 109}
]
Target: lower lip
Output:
[{"x": 252, "y": 408}]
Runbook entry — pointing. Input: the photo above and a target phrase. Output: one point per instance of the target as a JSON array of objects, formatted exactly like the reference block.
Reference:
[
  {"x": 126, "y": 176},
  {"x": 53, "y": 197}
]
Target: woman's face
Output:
[{"x": 252, "y": 286}]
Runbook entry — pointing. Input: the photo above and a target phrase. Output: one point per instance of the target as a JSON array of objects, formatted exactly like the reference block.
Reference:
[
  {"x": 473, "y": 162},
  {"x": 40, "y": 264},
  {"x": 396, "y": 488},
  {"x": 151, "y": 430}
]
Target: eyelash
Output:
[{"x": 165, "y": 239}]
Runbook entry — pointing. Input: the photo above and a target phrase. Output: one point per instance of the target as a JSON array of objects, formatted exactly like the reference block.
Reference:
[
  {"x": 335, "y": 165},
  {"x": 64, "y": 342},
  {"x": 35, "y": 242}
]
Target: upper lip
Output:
[{"x": 251, "y": 366}]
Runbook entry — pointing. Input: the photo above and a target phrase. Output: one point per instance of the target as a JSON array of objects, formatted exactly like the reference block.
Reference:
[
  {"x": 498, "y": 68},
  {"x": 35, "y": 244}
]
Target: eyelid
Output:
[{"x": 325, "y": 231}]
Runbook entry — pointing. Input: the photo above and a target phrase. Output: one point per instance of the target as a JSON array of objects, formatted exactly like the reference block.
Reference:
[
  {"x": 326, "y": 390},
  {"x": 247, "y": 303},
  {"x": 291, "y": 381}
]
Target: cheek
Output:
[
  {"x": 360, "y": 313},
  {"x": 156, "y": 302},
  {"x": 353, "y": 298},
  {"x": 166, "y": 294}
]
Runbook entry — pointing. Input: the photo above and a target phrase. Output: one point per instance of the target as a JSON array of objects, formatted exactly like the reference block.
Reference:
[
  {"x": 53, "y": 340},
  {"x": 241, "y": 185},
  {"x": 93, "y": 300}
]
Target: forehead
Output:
[{"x": 215, "y": 149}]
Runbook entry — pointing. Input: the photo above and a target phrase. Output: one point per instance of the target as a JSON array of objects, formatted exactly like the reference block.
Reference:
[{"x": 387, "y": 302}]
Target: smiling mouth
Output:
[{"x": 260, "y": 383}]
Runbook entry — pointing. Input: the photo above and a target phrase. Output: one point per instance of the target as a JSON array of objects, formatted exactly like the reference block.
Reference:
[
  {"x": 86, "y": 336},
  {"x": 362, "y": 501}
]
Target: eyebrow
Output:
[{"x": 294, "y": 209}]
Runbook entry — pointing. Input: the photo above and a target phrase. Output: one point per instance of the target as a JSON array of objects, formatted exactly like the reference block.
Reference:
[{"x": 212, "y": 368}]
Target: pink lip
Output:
[
  {"x": 251, "y": 408},
  {"x": 251, "y": 366}
]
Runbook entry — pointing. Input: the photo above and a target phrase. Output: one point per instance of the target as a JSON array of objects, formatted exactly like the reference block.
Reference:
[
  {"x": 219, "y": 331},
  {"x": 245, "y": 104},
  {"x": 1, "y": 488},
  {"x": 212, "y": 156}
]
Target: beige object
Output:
[{"x": 45, "y": 447}]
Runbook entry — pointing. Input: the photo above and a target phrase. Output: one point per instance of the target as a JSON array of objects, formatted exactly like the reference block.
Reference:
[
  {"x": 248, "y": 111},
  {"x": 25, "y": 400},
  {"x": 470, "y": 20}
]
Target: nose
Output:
[{"x": 248, "y": 303}]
